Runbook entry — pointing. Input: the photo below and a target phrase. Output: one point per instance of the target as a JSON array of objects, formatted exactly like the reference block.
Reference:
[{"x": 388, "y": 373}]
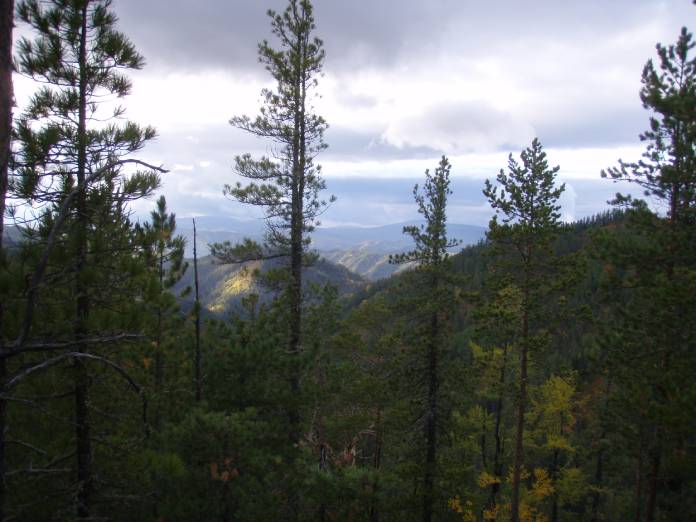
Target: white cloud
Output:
[
  {"x": 458, "y": 127},
  {"x": 182, "y": 168}
]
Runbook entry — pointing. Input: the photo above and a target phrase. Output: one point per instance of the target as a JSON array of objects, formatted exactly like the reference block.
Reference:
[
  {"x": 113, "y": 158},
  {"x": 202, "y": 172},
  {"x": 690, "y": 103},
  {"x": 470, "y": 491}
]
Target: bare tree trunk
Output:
[
  {"x": 6, "y": 104},
  {"x": 85, "y": 482},
  {"x": 197, "y": 311}
]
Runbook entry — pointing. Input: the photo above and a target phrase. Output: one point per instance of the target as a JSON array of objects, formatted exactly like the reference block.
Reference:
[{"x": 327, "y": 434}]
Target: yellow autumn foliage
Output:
[
  {"x": 492, "y": 513},
  {"x": 486, "y": 480},
  {"x": 543, "y": 486},
  {"x": 531, "y": 514},
  {"x": 466, "y": 511}
]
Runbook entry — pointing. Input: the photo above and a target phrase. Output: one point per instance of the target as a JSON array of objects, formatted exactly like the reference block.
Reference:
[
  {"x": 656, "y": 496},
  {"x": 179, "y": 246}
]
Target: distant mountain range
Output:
[{"x": 364, "y": 250}]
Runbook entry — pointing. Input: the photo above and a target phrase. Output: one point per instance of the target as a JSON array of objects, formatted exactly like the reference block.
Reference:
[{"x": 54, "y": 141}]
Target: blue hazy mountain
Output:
[{"x": 364, "y": 250}]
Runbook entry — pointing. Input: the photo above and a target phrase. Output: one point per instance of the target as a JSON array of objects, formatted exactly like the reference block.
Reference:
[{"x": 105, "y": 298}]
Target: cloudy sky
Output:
[{"x": 404, "y": 82}]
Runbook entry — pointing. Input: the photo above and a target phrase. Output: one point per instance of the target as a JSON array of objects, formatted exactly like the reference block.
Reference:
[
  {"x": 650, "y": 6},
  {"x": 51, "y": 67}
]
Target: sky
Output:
[{"x": 404, "y": 81}]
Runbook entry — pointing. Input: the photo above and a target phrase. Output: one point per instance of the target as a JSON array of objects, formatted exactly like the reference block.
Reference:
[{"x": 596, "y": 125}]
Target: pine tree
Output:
[
  {"x": 528, "y": 204},
  {"x": 71, "y": 170},
  {"x": 164, "y": 252},
  {"x": 652, "y": 257},
  {"x": 435, "y": 309},
  {"x": 288, "y": 185}
]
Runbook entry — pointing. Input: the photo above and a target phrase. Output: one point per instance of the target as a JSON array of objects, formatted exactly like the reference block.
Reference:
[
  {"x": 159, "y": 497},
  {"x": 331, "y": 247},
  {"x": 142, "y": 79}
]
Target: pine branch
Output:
[
  {"x": 62, "y": 345},
  {"x": 49, "y": 363},
  {"x": 63, "y": 213}
]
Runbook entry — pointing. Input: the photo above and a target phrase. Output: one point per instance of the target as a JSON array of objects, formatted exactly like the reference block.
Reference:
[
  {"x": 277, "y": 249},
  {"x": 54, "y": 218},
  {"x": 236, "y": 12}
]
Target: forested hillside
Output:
[{"x": 543, "y": 374}]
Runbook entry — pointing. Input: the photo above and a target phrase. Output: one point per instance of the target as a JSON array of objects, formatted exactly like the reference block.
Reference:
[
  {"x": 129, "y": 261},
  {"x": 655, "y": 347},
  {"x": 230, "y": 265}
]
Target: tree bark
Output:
[{"x": 6, "y": 104}]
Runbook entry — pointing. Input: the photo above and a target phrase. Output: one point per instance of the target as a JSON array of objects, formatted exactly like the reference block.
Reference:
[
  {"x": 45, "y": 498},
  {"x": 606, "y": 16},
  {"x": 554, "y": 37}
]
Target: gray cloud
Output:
[
  {"x": 594, "y": 126},
  {"x": 225, "y": 33},
  {"x": 578, "y": 102},
  {"x": 458, "y": 127},
  {"x": 350, "y": 145}
]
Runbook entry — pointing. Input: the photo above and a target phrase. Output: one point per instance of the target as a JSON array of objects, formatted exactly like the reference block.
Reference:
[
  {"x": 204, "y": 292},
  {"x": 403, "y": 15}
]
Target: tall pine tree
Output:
[
  {"x": 652, "y": 258},
  {"x": 435, "y": 307},
  {"x": 288, "y": 185},
  {"x": 528, "y": 204},
  {"x": 71, "y": 172}
]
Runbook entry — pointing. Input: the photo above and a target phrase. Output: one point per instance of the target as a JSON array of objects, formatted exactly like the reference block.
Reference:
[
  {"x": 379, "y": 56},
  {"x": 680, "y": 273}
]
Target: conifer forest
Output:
[{"x": 545, "y": 373}]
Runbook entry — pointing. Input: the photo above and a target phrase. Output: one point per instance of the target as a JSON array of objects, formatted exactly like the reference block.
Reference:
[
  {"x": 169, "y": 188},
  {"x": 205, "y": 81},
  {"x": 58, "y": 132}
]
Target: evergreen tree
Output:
[
  {"x": 652, "y": 258},
  {"x": 287, "y": 185},
  {"x": 528, "y": 204},
  {"x": 165, "y": 254},
  {"x": 71, "y": 171},
  {"x": 434, "y": 307}
]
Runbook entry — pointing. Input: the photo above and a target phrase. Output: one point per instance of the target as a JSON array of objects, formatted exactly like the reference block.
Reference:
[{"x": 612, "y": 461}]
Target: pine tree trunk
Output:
[
  {"x": 6, "y": 102},
  {"x": 159, "y": 363},
  {"x": 519, "y": 436},
  {"x": 431, "y": 422},
  {"x": 85, "y": 483},
  {"x": 296, "y": 254},
  {"x": 197, "y": 309},
  {"x": 497, "y": 468}
]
